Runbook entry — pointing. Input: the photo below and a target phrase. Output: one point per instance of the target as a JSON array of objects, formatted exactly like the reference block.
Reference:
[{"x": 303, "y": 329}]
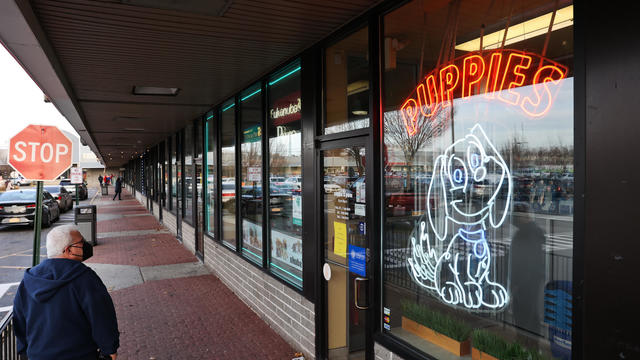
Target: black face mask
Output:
[{"x": 87, "y": 250}]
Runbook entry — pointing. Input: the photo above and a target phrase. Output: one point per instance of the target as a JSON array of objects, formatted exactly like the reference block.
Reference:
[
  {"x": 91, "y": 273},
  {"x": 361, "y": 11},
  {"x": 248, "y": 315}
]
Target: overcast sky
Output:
[{"x": 22, "y": 101}]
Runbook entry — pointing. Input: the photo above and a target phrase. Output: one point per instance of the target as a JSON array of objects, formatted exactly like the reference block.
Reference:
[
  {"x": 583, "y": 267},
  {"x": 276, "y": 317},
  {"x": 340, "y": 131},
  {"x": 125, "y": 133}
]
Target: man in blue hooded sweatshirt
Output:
[{"x": 62, "y": 310}]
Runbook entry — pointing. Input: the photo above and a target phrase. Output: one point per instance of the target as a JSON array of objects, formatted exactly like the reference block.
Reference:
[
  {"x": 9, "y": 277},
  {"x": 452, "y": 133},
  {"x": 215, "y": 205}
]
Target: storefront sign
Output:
[
  {"x": 252, "y": 236},
  {"x": 297, "y": 210},
  {"x": 286, "y": 109},
  {"x": 254, "y": 173},
  {"x": 358, "y": 260},
  {"x": 340, "y": 239},
  {"x": 287, "y": 249},
  {"x": 252, "y": 134},
  {"x": 450, "y": 252},
  {"x": 493, "y": 73}
]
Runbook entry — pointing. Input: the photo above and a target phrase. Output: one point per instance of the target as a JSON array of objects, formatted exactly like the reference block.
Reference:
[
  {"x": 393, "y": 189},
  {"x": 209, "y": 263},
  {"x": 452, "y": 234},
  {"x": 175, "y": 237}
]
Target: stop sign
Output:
[{"x": 40, "y": 152}]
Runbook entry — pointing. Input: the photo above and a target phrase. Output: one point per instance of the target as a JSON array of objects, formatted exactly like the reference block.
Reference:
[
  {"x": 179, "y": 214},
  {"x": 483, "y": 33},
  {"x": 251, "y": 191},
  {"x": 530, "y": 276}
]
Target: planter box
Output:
[
  {"x": 479, "y": 355},
  {"x": 445, "y": 342}
]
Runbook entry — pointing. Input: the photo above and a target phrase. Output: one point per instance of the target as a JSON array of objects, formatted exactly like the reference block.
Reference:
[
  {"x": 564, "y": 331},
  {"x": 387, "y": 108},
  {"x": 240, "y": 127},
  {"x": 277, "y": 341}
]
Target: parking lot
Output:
[{"x": 16, "y": 248}]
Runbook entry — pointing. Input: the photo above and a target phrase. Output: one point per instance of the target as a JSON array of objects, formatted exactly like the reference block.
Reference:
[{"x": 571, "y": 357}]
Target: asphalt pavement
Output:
[{"x": 16, "y": 249}]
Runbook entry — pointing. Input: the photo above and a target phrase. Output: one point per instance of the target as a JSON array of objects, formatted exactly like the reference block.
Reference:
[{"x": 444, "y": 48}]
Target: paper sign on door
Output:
[{"x": 340, "y": 239}]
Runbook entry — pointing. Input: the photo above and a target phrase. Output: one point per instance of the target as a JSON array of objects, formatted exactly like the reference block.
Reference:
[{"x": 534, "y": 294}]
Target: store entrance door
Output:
[{"x": 347, "y": 274}]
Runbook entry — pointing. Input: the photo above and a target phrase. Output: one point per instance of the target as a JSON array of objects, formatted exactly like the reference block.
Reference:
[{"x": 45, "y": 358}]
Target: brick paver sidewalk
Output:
[{"x": 194, "y": 317}]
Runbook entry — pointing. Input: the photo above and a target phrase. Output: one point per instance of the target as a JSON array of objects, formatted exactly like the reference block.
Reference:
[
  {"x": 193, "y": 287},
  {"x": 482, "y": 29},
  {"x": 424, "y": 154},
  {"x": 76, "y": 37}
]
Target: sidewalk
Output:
[{"x": 169, "y": 306}]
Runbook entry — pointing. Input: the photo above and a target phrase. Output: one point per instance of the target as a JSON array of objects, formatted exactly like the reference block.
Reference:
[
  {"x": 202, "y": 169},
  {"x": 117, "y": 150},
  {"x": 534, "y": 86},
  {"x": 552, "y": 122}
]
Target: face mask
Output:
[{"x": 87, "y": 250}]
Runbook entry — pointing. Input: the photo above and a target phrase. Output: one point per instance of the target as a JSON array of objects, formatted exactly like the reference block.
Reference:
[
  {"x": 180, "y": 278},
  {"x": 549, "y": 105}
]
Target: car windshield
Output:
[
  {"x": 52, "y": 189},
  {"x": 18, "y": 195},
  {"x": 65, "y": 182}
]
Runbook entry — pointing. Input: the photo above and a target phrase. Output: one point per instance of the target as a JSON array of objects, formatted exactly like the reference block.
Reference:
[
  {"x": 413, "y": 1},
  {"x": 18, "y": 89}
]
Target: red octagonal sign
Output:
[{"x": 40, "y": 152}]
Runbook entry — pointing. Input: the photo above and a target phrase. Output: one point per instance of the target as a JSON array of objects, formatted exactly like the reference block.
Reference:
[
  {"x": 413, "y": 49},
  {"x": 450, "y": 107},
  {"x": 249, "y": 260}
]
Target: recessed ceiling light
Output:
[
  {"x": 133, "y": 129},
  {"x": 127, "y": 118},
  {"x": 155, "y": 90}
]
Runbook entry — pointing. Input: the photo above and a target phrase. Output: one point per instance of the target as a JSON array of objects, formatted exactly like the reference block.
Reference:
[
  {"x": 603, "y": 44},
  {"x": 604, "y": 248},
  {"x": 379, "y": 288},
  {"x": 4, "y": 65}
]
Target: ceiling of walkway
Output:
[{"x": 207, "y": 49}]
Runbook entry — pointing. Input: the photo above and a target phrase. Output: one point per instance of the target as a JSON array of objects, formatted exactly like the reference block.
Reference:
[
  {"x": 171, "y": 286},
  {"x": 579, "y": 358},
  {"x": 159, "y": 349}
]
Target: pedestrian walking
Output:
[
  {"x": 100, "y": 180},
  {"x": 118, "y": 189},
  {"x": 62, "y": 310}
]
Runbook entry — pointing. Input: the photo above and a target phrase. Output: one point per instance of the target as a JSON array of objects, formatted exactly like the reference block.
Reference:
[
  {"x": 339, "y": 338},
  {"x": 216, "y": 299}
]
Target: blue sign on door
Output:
[{"x": 357, "y": 260}]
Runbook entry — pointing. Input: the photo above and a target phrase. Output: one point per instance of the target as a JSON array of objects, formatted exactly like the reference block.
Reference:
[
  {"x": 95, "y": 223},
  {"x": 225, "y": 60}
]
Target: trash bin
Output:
[
  {"x": 105, "y": 189},
  {"x": 85, "y": 220}
]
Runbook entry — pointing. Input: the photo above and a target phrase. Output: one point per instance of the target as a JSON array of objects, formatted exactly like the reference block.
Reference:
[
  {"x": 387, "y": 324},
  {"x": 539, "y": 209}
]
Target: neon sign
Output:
[
  {"x": 451, "y": 256},
  {"x": 494, "y": 74}
]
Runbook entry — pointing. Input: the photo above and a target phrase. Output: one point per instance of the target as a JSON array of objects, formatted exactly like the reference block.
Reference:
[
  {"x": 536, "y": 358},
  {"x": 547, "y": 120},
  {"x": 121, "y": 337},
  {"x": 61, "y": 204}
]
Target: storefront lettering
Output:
[
  {"x": 283, "y": 131},
  {"x": 451, "y": 256},
  {"x": 292, "y": 110},
  {"x": 494, "y": 74}
]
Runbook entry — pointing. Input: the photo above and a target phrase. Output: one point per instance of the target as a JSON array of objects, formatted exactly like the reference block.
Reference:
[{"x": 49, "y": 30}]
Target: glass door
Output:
[{"x": 346, "y": 271}]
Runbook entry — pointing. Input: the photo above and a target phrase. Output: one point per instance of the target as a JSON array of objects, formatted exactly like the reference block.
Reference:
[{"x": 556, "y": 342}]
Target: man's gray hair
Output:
[{"x": 59, "y": 238}]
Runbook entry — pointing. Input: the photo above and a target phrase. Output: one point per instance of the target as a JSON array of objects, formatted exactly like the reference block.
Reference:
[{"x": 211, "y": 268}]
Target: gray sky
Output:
[{"x": 22, "y": 101}]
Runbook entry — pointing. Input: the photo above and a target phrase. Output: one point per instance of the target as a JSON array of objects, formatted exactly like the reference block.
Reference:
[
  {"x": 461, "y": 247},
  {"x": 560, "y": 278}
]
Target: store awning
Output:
[{"x": 100, "y": 61}]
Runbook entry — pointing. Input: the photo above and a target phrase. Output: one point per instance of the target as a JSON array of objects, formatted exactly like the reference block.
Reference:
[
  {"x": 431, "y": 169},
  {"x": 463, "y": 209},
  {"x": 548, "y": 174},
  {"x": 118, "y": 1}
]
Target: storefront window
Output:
[
  {"x": 166, "y": 158},
  {"x": 228, "y": 147},
  {"x": 347, "y": 83},
  {"x": 478, "y": 176},
  {"x": 285, "y": 169},
  {"x": 174, "y": 171},
  {"x": 210, "y": 168},
  {"x": 188, "y": 174},
  {"x": 251, "y": 153},
  {"x": 198, "y": 183}
]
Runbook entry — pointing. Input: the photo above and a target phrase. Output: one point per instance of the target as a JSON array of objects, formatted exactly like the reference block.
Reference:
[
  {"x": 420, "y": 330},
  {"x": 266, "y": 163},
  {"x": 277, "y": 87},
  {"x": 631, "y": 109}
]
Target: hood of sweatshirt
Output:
[{"x": 44, "y": 280}]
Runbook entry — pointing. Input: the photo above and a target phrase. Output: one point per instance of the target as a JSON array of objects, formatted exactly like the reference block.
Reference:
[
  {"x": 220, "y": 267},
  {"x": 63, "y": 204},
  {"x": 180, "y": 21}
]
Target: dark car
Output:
[
  {"x": 18, "y": 207},
  {"x": 64, "y": 198},
  {"x": 71, "y": 188}
]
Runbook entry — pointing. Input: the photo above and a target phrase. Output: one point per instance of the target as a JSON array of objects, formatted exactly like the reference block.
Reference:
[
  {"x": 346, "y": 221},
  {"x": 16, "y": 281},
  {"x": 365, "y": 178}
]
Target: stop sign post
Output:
[{"x": 39, "y": 152}]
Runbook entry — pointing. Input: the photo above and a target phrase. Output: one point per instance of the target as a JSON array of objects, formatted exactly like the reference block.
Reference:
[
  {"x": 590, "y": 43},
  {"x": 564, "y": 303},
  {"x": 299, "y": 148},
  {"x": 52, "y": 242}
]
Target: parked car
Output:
[
  {"x": 18, "y": 207},
  {"x": 64, "y": 198},
  {"x": 71, "y": 188}
]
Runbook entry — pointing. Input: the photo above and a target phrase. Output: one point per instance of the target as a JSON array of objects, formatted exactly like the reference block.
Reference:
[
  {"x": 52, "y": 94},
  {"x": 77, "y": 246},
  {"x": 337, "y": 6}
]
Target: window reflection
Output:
[
  {"x": 251, "y": 148},
  {"x": 228, "y": 143},
  {"x": 285, "y": 169},
  {"x": 347, "y": 83},
  {"x": 189, "y": 181},
  {"x": 210, "y": 131},
  {"x": 479, "y": 182}
]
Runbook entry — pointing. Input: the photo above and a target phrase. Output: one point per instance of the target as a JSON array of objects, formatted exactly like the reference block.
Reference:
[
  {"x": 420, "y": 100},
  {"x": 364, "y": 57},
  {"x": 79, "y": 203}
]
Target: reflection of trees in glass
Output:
[
  {"x": 251, "y": 154},
  {"x": 519, "y": 155},
  {"x": 395, "y": 133}
]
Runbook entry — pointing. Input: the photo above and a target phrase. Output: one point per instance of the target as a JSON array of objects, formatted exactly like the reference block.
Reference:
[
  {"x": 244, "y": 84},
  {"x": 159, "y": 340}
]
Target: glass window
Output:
[
  {"x": 347, "y": 83},
  {"x": 167, "y": 174},
  {"x": 479, "y": 185},
  {"x": 228, "y": 147},
  {"x": 198, "y": 181},
  {"x": 285, "y": 169},
  {"x": 210, "y": 175},
  {"x": 189, "y": 177},
  {"x": 174, "y": 172},
  {"x": 251, "y": 153}
]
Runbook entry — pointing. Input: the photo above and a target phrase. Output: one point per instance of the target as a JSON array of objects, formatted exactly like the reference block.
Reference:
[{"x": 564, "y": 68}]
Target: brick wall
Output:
[
  {"x": 382, "y": 353},
  {"x": 189, "y": 237},
  {"x": 286, "y": 311}
]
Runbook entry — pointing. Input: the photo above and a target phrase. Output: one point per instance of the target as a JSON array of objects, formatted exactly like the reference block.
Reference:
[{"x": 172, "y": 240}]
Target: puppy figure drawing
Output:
[{"x": 468, "y": 200}]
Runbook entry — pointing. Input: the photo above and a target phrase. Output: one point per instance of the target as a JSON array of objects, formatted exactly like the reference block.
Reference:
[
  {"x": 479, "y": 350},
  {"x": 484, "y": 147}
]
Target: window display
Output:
[
  {"x": 251, "y": 153},
  {"x": 285, "y": 170},
  {"x": 228, "y": 147},
  {"x": 188, "y": 174},
  {"x": 478, "y": 177},
  {"x": 210, "y": 173}
]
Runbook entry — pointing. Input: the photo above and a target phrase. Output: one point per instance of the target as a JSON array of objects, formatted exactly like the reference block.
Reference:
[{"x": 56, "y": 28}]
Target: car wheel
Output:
[
  {"x": 46, "y": 219},
  {"x": 57, "y": 217}
]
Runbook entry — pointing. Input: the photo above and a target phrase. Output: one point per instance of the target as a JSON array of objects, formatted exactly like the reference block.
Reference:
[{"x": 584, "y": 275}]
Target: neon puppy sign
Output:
[
  {"x": 494, "y": 74},
  {"x": 450, "y": 252}
]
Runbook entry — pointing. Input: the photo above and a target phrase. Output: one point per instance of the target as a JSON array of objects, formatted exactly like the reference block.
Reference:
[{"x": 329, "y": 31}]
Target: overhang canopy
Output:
[{"x": 88, "y": 56}]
